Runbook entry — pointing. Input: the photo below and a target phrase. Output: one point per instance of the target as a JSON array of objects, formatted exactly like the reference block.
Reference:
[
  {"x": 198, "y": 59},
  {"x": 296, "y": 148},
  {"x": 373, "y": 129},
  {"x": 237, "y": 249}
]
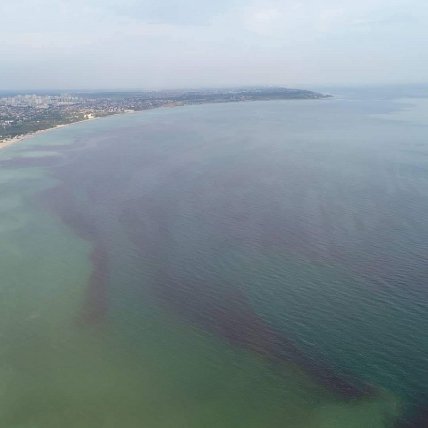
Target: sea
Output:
[{"x": 236, "y": 265}]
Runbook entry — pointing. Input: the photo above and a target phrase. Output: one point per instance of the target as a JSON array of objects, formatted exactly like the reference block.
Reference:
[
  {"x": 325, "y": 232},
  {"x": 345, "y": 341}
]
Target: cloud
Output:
[{"x": 169, "y": 43}]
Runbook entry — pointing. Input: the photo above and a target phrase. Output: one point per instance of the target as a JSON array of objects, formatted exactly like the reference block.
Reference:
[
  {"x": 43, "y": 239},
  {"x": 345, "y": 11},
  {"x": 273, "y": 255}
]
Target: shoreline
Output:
[
  {"x": 17, "y": 139},
  {"x": 12, "y": 141}
]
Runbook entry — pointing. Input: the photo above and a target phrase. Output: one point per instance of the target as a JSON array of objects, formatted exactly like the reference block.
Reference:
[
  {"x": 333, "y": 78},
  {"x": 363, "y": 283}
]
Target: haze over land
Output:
[{"x": 148, "y": 44}]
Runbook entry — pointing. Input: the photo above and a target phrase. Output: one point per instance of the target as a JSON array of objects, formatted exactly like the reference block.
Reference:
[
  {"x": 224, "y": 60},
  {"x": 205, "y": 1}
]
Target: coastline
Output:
[
  {"x": 12, "y": 141},
  {"x": 7, "y": 142}
]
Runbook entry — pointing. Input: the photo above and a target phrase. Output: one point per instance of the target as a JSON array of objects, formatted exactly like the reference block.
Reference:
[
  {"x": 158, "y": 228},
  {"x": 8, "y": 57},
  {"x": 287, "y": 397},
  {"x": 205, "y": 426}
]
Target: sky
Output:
[{"x": 156, "y": 44}]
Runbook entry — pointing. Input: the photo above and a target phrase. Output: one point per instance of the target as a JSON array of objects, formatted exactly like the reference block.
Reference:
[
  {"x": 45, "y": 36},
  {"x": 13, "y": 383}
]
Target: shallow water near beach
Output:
[{"x": 255, "y": 264}]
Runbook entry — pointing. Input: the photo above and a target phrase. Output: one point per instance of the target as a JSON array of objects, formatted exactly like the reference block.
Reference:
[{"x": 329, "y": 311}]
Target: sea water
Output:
[{"x": 258, "y": 264}]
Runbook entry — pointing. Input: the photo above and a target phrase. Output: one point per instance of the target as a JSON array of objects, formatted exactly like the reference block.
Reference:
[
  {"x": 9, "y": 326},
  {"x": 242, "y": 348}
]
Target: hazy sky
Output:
[{"x": 191, "y": 43}]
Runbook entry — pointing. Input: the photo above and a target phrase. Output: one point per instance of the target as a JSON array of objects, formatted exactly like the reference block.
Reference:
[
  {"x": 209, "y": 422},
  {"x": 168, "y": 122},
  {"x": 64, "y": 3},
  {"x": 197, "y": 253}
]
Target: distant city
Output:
[{"x": 23, "y": 114}]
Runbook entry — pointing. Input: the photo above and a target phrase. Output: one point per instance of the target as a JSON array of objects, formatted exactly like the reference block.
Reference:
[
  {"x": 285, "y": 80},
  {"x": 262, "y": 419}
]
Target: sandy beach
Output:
[{"x": 11, "y": 141}]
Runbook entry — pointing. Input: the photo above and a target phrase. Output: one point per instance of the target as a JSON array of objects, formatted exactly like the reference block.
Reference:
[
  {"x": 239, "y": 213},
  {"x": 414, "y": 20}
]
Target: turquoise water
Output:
[{"x": 233, "y": 265}]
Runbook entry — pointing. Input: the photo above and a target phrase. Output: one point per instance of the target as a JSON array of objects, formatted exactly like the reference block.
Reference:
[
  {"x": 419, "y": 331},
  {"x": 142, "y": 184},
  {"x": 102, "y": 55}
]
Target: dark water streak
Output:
[
  {"x": 227, "y": 313},
  {"x": 95, "y": 306},
  {"x": 231, "y": 318}
]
